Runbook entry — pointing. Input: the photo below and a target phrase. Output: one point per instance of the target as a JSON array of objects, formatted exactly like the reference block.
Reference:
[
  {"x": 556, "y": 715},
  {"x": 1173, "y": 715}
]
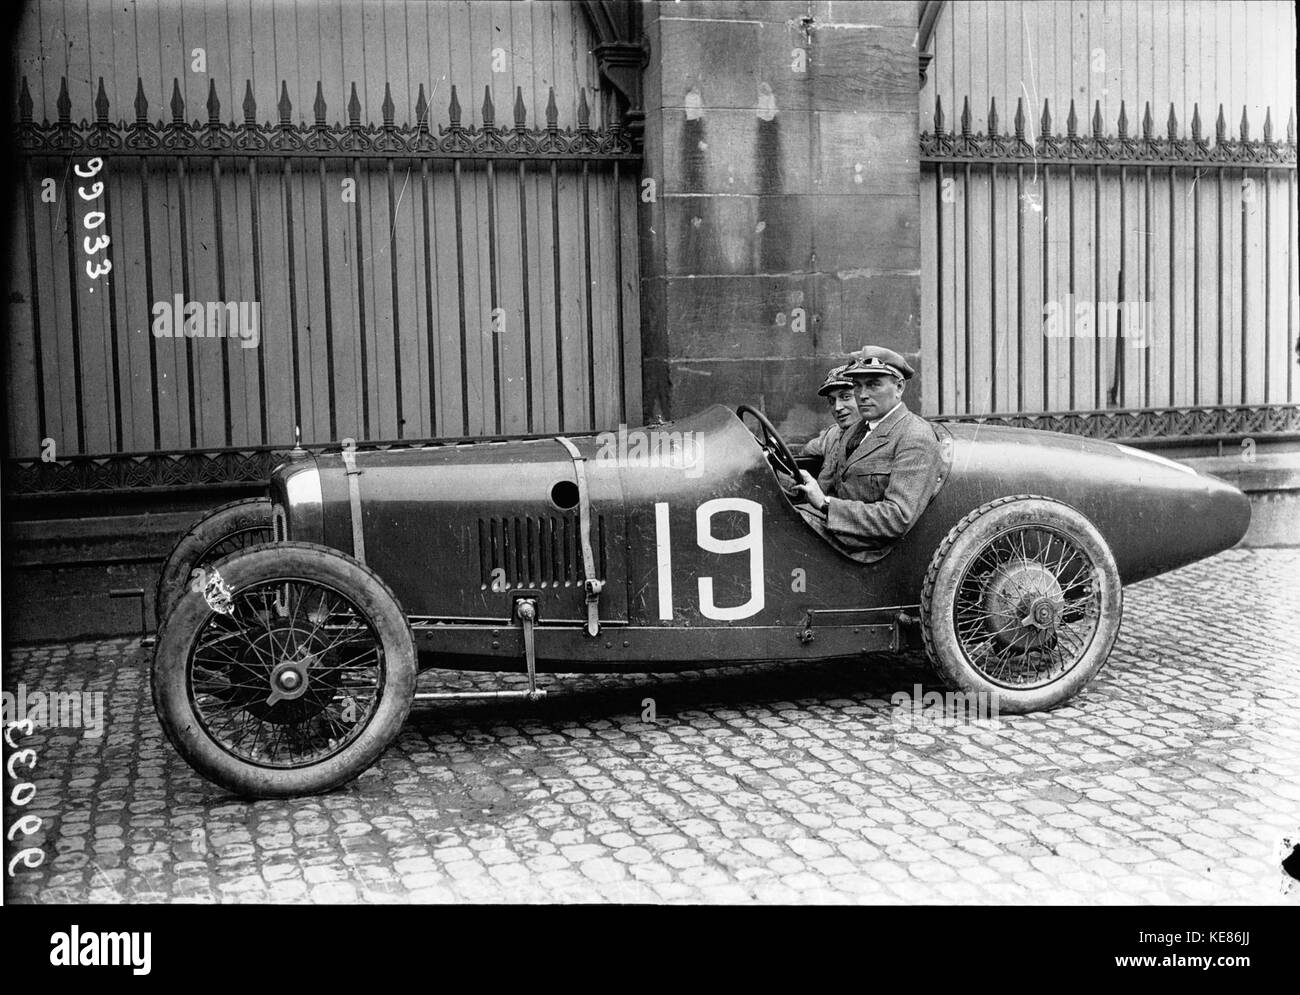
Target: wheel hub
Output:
[
  {"x": 1024, "y": 602},
  {"x": 289, "y": 680}
]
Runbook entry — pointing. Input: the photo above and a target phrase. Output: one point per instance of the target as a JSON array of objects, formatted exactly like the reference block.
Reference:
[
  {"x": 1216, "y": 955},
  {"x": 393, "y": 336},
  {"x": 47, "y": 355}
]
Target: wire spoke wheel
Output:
[
  {"x": 1026, "y": 608},
  {"x": 1022, "y": 601},
  {"x": 289, "y": 674},
  {"x": 242, "y": 538},
  {"x": 289, "y": 677}
]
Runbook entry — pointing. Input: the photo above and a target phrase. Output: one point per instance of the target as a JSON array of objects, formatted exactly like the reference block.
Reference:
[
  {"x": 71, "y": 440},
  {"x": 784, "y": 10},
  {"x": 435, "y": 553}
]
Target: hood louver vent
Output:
[{"x": 540, "y": 551}]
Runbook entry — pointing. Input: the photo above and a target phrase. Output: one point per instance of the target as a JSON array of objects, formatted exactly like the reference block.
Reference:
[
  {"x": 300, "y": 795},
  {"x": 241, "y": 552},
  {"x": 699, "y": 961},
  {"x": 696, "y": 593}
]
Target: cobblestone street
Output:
[{"x": 1174, "y": 778}]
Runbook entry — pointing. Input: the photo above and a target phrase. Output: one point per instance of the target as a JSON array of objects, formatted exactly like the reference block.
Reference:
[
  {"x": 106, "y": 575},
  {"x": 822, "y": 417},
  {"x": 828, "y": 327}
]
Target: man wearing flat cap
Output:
[
  {"x": 879, "y": 474},
  {"x": 841, "y": 396}
]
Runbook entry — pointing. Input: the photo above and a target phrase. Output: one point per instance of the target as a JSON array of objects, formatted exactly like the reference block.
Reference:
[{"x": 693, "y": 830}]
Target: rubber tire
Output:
[
  {"x": 188, "y": 551},
  {"x": 255, "y": 565},
  {"x": 949, "y": 563}
]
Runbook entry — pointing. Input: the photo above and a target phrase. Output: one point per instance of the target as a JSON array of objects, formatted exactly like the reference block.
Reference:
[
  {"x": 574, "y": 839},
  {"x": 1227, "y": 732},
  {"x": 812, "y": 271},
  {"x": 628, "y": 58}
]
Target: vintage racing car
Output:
[{"x": 293, "y": 626}]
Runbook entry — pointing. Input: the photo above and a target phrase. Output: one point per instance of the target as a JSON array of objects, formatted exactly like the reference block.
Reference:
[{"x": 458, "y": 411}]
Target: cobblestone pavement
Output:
[{"x": 1173, "y": 778}]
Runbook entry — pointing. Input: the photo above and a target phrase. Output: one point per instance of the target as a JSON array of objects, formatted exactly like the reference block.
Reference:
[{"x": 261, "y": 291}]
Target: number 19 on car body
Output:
[{"x": 751, "y": 542}]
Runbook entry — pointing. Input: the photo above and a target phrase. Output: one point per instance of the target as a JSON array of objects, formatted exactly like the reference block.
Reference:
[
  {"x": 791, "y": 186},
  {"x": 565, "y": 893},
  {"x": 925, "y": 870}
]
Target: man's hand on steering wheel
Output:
[{"x": 811, "y": 491}]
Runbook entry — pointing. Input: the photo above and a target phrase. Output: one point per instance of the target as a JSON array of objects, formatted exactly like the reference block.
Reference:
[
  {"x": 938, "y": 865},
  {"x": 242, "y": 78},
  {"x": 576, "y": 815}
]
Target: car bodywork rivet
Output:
[
  {"x": 496, "y": 645},
  {"x": 626, "y": 644}
]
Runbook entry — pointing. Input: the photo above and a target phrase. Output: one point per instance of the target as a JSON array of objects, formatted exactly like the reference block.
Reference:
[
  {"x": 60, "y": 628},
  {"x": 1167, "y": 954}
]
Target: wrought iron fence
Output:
[
  {"x": 1132, "y": 284},
  {"x": 504, "y": 307}
]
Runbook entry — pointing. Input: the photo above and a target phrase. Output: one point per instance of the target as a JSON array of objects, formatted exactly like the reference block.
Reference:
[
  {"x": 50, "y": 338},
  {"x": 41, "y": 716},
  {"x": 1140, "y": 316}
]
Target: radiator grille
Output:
[{"x": 536, "y": 550}]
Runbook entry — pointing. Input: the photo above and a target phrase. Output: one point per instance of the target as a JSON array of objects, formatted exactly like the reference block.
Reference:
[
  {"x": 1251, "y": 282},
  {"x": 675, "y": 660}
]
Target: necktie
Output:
[{"x": 855, "y": 439}]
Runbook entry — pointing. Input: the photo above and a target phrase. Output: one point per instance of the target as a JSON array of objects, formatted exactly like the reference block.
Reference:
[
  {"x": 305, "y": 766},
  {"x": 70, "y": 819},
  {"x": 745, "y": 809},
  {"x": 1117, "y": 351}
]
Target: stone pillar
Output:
[{"x": 780, "y": 201}]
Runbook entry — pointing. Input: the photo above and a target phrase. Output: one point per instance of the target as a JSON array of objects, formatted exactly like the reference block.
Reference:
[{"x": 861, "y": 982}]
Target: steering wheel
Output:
[{"x": 772, "y": 443}]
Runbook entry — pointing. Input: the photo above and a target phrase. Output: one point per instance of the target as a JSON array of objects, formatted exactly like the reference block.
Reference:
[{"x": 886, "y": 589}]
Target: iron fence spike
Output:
[
  {"x": 285, "y": 107},
  {"x": 422, "y": 110},
  {"x": 25, "y": 105},
  {"x": 178, "y": 102},
  {"x": 354, "y": 107},
  {"x": 141, "y": 102},
  {"x": 64, "y": 103},
  {"x": 319, "y": 108},
  {"x": 101, "y": 104}
]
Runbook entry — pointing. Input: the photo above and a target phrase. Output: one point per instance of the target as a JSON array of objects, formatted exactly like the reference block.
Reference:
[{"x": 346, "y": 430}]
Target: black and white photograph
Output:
[{"x": 765, "y": 453}]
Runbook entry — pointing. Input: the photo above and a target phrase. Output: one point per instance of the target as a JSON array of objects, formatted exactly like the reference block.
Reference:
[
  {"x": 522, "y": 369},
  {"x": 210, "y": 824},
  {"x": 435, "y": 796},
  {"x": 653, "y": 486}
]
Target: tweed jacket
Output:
[
  {"x": 875, "y": 494},
  {"x": 830, "y": 447}
]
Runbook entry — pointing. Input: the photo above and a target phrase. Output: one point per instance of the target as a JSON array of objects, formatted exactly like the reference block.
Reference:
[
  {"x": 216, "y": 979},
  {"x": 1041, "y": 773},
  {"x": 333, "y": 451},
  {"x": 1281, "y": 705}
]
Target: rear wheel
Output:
[
  {"x": 288, "y": 674},
  {"x": 1022, "y": 601},
  {"x": 220, "y": 532}
]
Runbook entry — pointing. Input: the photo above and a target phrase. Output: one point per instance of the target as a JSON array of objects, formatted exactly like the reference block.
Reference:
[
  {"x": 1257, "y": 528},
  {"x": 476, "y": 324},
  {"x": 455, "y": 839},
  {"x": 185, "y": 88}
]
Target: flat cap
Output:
[
  {"x": 835, "y": 380},
  {"x": 878, "y": 359}
]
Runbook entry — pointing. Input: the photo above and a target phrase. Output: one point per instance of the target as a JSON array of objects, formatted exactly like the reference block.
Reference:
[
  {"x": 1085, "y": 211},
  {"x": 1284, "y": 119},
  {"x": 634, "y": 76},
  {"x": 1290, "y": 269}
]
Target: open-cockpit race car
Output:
[{"x": 292, "y": 627}]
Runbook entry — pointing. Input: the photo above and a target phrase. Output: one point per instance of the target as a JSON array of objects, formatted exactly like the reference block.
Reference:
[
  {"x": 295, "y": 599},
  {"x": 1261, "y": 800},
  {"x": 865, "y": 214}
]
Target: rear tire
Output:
[
  {"x": 1022, "y": 601},
  {"x": 289, "y": 675},
  {"x": 220, "y": 532}
]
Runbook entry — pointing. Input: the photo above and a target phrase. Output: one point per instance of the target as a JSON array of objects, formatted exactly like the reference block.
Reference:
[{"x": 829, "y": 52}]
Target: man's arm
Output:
[
  {"x": 817, "y": 445},
  {"x": 913, "y": 480}
]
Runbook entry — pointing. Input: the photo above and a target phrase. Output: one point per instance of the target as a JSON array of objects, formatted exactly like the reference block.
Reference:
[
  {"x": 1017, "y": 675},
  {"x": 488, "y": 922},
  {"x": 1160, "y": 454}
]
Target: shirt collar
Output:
[{"x": 871, "y": 425}]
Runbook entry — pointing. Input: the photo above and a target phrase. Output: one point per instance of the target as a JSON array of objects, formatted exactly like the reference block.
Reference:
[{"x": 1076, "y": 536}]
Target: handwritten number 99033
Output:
[{"x": 93, "y": 219}]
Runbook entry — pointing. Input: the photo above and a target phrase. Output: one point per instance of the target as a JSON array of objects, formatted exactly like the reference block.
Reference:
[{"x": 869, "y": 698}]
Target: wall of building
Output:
[{"x": 780, "y": 230}]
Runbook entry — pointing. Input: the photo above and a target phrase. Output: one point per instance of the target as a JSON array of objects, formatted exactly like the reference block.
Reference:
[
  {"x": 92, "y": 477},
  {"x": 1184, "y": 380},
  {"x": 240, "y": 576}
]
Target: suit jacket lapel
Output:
[{"x": 876, "y": 439}]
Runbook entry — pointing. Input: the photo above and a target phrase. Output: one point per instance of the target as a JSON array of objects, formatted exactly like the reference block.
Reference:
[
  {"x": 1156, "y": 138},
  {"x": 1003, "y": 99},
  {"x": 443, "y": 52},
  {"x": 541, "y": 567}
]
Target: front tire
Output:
[
  {"x": 1022, "y": 601},
  {"x": 289, "y": 674}
]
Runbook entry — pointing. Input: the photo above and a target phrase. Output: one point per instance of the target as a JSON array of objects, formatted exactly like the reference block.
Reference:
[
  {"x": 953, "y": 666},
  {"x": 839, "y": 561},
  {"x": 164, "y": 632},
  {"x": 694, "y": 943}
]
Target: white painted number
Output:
[
  {"x": 751, "y": 542},
  {"x": 664, "y": 554}
]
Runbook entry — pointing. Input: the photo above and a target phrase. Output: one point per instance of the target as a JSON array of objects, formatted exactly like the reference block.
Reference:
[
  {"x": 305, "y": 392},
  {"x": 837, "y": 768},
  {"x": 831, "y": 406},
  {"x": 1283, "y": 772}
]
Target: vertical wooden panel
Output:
[
  {"x": 950, "y": 255},
  {"x": 21, "y": 387},
  {"x": 1031, "y": 220},
  {"x": 930, "y": 290}
]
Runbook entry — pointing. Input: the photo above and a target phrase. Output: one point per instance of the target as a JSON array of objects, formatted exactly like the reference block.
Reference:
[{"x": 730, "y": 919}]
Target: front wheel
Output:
[
  {"x": 288, "y": 674},
  {"x": 1022, "y": 601}
]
